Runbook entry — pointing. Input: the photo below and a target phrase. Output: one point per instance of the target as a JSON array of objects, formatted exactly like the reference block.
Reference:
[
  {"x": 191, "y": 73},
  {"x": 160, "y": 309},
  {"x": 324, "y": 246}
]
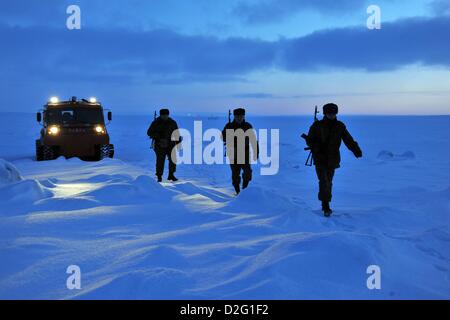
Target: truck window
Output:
[{"x": 77, "y": 115}]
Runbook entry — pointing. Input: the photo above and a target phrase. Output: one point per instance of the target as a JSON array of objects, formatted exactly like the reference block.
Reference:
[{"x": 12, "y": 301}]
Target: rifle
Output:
[
  {"x": 224, "y": 143},
  {"x": 310, "y": 160},
  {"x": 153, "y": 140}
]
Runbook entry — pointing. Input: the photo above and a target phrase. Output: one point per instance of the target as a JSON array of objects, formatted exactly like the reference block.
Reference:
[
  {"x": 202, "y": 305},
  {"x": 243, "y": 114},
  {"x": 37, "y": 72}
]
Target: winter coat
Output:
[
  {"x": 250, "y": 139},
  {"x": 324, "y": 139},
  {"x": 161, "y": 132}
]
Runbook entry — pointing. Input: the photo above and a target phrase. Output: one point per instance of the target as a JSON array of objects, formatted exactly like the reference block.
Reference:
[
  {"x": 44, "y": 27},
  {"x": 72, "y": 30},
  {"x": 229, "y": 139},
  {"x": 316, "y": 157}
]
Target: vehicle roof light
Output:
[
  {"x": 93, "y": 100},
  {"x": 54, "y": 100}
]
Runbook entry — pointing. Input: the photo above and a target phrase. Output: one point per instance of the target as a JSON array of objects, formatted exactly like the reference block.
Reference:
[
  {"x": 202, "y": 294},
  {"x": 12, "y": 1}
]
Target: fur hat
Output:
[
  {"x": 239, "y": 112},
  {"x": 164, "y": 112},
  {"x": 330, "y": 108}
]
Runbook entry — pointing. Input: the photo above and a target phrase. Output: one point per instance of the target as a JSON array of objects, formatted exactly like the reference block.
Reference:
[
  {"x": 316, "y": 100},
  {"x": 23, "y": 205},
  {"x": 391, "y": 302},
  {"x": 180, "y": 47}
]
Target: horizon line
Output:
[{"x": 210, "y": 114}]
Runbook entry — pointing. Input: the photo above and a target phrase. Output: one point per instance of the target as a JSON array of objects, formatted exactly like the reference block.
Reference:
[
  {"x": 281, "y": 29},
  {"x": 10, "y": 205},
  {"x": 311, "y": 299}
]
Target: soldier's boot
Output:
[
  {"x": 236, "y": 181},
  {"x": 237, "y": 188},
  {"x": 171, "y": 177},
  {"x": 246, "y": 176},
  {"x": 326, "y": 208},
  {"x": 159, "y": 178}
]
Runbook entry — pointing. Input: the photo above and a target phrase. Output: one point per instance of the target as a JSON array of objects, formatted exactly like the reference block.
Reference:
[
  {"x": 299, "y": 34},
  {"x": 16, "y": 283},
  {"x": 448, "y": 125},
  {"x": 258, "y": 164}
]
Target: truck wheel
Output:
[
  {"x": 111, "y": 151},
  {"x": 39, "y": 151},
  {"x": 105, "y": 151},
  {"x": 48, "y": 153}
]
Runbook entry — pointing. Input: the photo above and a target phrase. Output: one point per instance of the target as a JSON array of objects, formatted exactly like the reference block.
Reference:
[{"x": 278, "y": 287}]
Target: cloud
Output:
[
  {"x": 440, "y": 7},
  {"x": 26, "y": 13},
  {"x": 187, "y": 78},
  {"x": 167, "y": 57},
  {"x": 158, "y": 55},
  {"x": 397, "y": 44},
  {"x": 270, "y": 11},
  {"x": 132, "y": 14},
  {"x": 254, "y": 95}
]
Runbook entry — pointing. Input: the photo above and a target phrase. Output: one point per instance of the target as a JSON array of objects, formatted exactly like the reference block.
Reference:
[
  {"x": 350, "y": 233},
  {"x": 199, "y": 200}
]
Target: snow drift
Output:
[
  {"x": 390, "y": 156},
  {"x": 13, "y": 188},
  {"x": 136, "y": 239},
  {"x": 8, "y": 173}
]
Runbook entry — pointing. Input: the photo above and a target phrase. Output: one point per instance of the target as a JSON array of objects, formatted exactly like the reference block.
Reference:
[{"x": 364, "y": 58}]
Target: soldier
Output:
[
  {"x": 161, "y": 131},
  {"x": 237, "y": 136},
  {"x": 324, "y": 139}
]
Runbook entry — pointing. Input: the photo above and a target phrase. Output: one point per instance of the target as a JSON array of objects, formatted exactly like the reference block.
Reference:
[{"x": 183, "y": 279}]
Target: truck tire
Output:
[
  {"x": 44, "y": 152},
  {"x": 48, "y": 153},
  {"x": 105, "y": 151},
  {"x": 111, "y": 151},
  {"x": 39, "y": 151}
]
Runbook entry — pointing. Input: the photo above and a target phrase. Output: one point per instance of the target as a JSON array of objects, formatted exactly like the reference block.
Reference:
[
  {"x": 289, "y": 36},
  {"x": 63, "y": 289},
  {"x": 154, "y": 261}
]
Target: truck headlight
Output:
[
  {"x": 53, "y": 130},
  {"x": 99, "y": 129}
]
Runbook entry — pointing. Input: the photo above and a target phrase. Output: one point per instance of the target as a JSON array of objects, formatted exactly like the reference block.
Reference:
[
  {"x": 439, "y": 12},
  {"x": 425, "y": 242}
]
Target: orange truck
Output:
[{"x": 74, "y": 128}]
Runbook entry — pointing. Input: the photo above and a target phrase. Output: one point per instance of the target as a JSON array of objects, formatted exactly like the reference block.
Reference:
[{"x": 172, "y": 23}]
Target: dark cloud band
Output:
[{"x": 59, "y": 54}]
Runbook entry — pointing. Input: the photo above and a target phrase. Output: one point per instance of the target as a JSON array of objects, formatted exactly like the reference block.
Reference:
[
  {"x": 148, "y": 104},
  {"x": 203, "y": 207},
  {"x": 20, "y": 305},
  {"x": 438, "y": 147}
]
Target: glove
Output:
[{"x": 358, "y": 153}]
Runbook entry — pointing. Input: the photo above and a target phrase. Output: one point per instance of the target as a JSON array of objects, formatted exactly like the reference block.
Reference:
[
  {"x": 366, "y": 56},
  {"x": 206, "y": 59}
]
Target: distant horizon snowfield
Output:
[{"x": 136, "y": 239}]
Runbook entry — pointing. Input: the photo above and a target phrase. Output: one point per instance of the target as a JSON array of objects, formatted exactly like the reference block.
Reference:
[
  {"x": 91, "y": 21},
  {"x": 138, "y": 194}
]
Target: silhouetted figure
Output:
[
  {"x": 161, "y": 131},
  {"x": 324, "y": 139},
  {"x": 238, "y": 135}
]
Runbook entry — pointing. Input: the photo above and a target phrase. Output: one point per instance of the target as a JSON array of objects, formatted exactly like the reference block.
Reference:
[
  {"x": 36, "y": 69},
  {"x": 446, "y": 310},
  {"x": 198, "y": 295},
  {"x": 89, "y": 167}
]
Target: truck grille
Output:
[{"x": 76, "y": 130}]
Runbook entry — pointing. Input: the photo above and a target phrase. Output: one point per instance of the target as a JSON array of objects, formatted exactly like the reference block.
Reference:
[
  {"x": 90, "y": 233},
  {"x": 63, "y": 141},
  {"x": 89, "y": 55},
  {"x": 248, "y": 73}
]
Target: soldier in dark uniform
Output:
[
  {"x": 161, "y": 131},
  {"x": 324, "y": 139},
  {"x": 238, "y": 135}
]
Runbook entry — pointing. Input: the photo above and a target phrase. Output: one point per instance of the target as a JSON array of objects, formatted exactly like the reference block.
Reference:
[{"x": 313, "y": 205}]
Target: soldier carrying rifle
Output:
[{"x": 324, "y": 140}]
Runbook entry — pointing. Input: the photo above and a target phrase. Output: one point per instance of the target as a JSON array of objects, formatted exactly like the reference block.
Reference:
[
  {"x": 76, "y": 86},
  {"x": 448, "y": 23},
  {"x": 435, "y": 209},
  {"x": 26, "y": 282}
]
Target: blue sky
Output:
[{"x": 270, "y": 56}]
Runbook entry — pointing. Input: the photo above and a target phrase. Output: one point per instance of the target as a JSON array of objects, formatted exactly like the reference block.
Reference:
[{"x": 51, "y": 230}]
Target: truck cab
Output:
[{"x": 74, "y": 128}]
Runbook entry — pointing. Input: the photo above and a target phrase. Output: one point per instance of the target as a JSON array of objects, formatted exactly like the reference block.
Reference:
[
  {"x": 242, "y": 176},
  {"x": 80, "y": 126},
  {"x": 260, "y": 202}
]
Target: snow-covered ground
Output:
[{"x": 133, "y": 238}]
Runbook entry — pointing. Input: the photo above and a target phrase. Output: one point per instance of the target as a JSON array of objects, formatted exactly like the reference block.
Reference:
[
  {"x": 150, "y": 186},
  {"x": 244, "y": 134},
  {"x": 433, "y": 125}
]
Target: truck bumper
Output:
[{"x": 76, "y": 145}]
